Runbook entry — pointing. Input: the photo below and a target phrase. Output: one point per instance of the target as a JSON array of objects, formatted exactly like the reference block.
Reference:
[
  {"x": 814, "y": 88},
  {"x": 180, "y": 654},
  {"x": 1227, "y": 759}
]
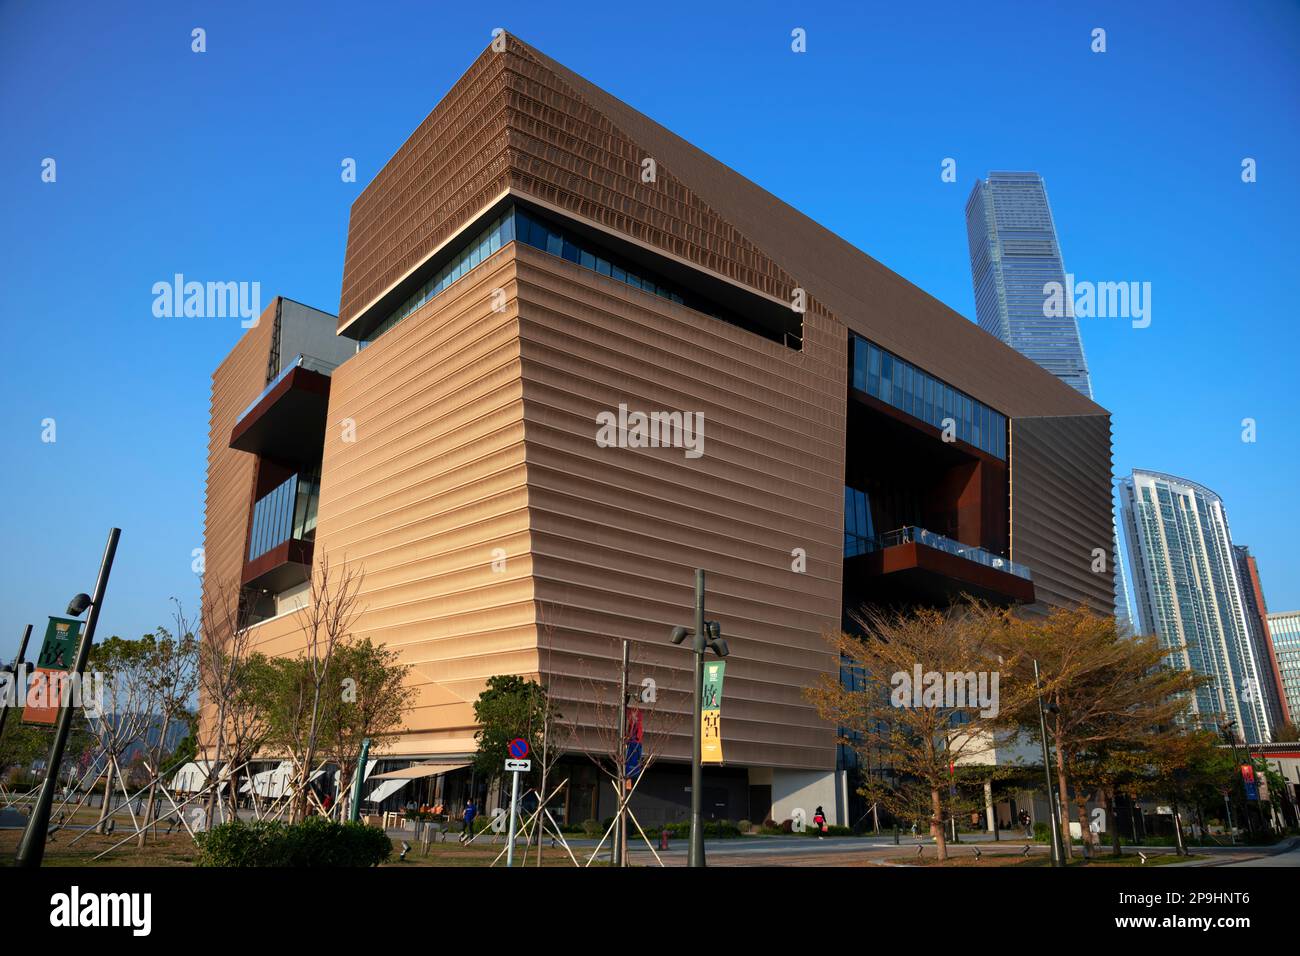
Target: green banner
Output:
[
  {"x": 59, "y": 651},
  {"x": 711, "y": 698},
  {"x": 711, "y": 712}
]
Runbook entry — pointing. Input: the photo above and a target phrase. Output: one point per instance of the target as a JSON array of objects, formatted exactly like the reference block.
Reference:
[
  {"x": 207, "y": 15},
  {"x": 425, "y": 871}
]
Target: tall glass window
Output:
[
  {"x": 859, "y": 530},
  {"x": 554, "y": 239},
  {"x": 916, "y": 392},
  {"x": 286, "y": 512}
]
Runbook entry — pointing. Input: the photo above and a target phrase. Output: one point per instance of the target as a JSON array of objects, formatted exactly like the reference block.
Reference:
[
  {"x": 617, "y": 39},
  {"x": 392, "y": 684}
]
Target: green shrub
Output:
[
  {"x": 1042, "y": 831},
  {"x": 744, "y": 826},
  {"x": 592, "y": 828},
  {"x": 714, "y": 829},
  {"x": 315, "y": 842}
]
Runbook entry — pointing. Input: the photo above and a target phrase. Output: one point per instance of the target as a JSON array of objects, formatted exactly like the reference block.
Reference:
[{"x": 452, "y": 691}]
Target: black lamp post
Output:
[
  {"x": 1058, "y": 849},
  {"x": 32, "y": 848},
  {"x": 19, "y": 670}
]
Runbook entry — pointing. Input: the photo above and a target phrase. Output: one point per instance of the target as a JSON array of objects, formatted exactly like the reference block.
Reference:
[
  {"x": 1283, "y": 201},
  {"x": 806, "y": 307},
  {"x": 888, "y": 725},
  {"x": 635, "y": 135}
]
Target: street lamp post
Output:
[
  {"x": 20, "y": 669},
  {"x": 707, "y": 636},
  {"x": 1058, "y": 850},
  {"x": 1229, "y": 733},
  {"x": 620, "y": 828},
  {"x": 32, "y": 849}
]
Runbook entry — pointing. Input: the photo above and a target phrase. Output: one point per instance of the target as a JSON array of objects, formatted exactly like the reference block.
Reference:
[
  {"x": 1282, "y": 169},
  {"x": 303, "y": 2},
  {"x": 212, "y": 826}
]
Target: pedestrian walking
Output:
[
  {"x": 819, "y": 821},
  {"x": 469, "y": 815}
]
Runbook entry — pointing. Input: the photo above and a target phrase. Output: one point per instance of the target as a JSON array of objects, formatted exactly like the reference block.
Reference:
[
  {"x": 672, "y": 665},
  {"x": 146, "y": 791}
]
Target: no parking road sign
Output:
[{"x": 518, "y": 751}]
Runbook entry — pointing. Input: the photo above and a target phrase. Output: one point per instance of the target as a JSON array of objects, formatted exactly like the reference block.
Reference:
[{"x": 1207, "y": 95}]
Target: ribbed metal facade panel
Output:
[
  {"x": 450, "y": 167},
  {"x": 618, "y": 532},
  {"x": 238, "y": 380},
  {"x": 1061, "y": 508},
  {"x": 431, "y": 485}
]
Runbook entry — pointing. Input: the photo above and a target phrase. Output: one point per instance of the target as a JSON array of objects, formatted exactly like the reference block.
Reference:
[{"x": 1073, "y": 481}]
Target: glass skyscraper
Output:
[
  {"x": 1013, "y": 255},
  {"x": 1189, "y": 595}
]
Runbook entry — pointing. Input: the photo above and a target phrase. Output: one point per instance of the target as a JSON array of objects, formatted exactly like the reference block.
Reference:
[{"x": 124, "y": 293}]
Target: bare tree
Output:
[
  {"x": 231, "y": 679},
  {"x": 326, "y": 622},
  {"x": 172, "y": 674},
  {"x": 598, "y": 732},
  {"x": 128, "y": 705},
  {"x": 554, "y": 733}
]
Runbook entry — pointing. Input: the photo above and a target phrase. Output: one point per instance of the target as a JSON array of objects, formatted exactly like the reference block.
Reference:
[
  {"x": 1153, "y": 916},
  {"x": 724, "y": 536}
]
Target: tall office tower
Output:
[
  {"x": 1261, "y": 642},
  {"x": 1189, "y": 595},
  {"x": 1123, "y": 603},
  {"x": 1013, "y": 255},
  {"x": 1284, "y": 632}
]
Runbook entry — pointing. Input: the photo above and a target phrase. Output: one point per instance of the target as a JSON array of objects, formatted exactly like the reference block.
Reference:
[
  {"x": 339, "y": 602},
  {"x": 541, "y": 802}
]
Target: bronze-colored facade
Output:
[{"x": 461, "y": 472}]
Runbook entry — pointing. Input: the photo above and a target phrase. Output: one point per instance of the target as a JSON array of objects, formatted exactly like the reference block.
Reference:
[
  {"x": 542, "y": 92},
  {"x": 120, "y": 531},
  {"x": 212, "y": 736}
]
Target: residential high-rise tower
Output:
[{"x": 1188, "y": 593}]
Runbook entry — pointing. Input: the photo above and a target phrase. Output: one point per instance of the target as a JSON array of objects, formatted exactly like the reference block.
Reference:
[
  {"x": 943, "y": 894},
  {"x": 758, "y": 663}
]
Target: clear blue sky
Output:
[{"x": 225, "y": 166}]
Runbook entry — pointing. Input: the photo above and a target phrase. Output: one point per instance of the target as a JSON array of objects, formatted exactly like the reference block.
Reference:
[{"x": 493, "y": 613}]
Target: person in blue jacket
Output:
[{"x": 469, "y": 815}]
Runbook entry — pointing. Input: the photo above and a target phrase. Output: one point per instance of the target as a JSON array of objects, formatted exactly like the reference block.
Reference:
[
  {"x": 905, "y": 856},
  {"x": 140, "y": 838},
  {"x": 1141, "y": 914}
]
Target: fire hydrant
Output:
[{"x": 663, "y": 839}]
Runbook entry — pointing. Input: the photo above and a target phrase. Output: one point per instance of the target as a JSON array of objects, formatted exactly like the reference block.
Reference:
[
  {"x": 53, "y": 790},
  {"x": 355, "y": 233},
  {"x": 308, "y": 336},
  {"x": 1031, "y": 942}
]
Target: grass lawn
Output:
[
  {"x": 179, "y": 850},
  {"x": 175, "y": 850}
]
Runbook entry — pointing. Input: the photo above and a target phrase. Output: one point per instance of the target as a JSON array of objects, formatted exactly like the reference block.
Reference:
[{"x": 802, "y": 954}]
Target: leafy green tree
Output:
[
  {"x": 21, "y": 744},
  {"x": 508, "y": 707},
  {"x": 188, "y": 747},
  {"x": 1103, "y": 689},
  {"x": 1191, "y": 769},
  {"x": 369, "y": 700},
  {"x": 1286, "y": 734}
]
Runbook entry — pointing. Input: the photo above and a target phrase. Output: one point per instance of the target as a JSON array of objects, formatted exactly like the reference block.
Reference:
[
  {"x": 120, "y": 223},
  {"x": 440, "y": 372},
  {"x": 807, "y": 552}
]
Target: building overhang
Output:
[
  {"x": 284, "y": 566},
  {"x": 912, "y": 573},
  {"x": 287, "y": 422}
]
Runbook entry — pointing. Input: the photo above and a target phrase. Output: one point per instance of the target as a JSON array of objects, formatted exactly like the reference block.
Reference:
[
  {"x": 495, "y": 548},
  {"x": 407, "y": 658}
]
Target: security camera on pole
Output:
[{"x": 707, "y": 636}]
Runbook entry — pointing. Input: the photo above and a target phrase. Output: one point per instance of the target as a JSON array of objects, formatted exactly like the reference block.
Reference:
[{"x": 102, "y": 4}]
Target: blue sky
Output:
[{"x": 225, "y": 166}]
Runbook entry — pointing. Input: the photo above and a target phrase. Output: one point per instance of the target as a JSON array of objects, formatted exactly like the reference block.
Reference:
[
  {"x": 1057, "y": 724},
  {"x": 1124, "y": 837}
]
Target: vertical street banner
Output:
[
  {"x": 711, "y": 712},
  {"x": 44, "y": 692},
  {"x": 1248, "y": 781},
  {"x": 635, "y": 739}
]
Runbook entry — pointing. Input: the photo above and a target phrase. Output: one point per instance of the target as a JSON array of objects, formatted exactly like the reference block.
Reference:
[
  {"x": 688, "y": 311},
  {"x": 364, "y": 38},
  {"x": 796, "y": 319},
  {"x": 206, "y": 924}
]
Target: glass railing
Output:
[
  {"x": 910, "y": 535},
  {"x": 309, "y": 362}
]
